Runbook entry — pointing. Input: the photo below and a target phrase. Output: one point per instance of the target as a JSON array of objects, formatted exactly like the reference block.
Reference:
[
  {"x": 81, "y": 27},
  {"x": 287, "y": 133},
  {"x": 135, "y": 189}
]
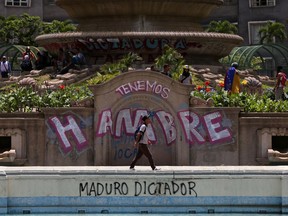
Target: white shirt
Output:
[
  {"x": 185, "y": 81},
  {"x": 5, "y": 67},
  {"x": 144, "y": 139}
]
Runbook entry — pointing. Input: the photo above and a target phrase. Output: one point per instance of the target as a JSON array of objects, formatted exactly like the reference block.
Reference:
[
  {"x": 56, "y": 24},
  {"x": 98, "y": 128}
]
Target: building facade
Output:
[
  {"x": 250, "y": 16},
  {"x": 46, "y": 9}
]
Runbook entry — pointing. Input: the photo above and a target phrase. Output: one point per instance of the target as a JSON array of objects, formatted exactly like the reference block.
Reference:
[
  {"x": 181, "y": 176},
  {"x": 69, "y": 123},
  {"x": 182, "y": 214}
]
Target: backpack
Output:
[
  {"x": 26, "y": 65},
  {"x": 136, "y": 132},
  {"x": 283, "y": 79}
]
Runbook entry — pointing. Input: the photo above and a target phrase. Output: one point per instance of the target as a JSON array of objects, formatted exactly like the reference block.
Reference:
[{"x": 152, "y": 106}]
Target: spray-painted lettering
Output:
[
  {"x": 71, "y": 127},
  {"x": 144, "y": 86},
  {"x": 197, "y": 129},
  {"x": 138, "y": 188},
  {"x": 134, "y": 43}
]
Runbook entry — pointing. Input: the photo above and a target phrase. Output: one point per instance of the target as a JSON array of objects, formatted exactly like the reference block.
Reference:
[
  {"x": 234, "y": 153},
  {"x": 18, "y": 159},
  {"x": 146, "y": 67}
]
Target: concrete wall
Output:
[
  {"x": 247, "y": 14},
  {"x": 175, "y": 190},
  {"x": 182, "y": 132},
  {"x": 240, "y": 12}
]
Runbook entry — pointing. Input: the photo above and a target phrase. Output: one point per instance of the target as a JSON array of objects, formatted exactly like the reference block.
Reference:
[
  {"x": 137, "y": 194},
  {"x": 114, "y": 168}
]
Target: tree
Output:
[
  {"x": 222, "y": 27},
  {"x": 57, "y": 26},
  {"x": 272, "y": 31},
  {"x": 24, "y": 29}
]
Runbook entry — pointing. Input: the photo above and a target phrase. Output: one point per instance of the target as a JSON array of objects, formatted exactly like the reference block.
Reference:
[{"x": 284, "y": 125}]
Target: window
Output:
[
  {"x": 269, "y": 146},
  {"x": 253, "y": 29},
  {"x": 51, "y": 2},
  {"x": 18, "y": 3},
  {"x": 262, "y": 3},
  {"x": 5, "y": 143},
  {"x": 230, "y": 2}
]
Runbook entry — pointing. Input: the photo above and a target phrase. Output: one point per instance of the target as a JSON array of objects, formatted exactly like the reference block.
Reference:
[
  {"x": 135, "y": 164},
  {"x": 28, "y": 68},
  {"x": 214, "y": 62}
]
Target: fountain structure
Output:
[{"x": 109, "y": 29}]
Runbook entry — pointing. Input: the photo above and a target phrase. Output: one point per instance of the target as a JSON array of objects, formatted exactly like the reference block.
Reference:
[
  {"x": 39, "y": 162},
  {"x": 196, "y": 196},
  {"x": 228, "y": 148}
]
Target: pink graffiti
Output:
[
  {"x": 141, "y": 86},
  {"x": 125, "y": 123},
  {"x": 212, "y": 130},
  {"x": 197, "y": 129},
  {"x": 72, "y": 127},
  {"x": 167, "y": 125}
]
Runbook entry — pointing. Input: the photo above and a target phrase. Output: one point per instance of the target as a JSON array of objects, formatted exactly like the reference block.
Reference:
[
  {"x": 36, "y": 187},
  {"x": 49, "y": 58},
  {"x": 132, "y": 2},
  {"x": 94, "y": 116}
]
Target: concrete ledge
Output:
[{"x": 218, "y": 189}]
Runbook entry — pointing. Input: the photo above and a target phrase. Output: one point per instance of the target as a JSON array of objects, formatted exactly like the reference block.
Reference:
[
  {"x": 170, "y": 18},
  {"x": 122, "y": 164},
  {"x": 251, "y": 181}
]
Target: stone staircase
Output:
[
  {"x": 215, "y": 75},
  {"x": 53, "y": 82}
]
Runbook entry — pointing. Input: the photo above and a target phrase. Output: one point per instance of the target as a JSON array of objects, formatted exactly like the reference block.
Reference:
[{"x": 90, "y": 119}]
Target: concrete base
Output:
[{"x": 178, "y": 189}]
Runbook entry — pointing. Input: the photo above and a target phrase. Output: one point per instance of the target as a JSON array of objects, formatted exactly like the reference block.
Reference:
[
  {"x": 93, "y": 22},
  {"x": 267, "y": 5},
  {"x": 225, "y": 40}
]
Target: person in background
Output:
[
  {"x": 185, "y": 77},
  {"x": 28, "y": 53},
  {"x": 79, "y": 58},
  {"x": 280, "y": 83},
  {"x": 61, "y": 59},
  {"x": 166, "y": 70},
  {"x": 26, "y": 64},
  {"x": 43, "y": 60},
  {"x": 232, "y": 79},
  {"x": 5, "y": 67}
]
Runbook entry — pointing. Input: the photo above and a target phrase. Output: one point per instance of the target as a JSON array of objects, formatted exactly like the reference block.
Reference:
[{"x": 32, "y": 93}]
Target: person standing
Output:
[
  {"x": 26, "y": 64},
  {"x": 166, "y": 70},
  {"x": 232, "y": 79},
  {"x": 28, "y": 53},
  {"x": 280, "y": 83},
  {"x": 142, "y": 141},
  {"x": 185, "y": 77},
  {"x": 5, "y": 67}
]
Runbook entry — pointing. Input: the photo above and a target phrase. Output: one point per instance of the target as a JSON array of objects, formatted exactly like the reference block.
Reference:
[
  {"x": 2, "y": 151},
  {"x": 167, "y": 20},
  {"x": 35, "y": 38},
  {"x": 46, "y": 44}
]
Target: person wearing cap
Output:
[
  {"x": 185, "y": 77},
  {"x": 142, "y": 142},
  {"x": 5, "y": 67},
  {"x": 232, "y": 79}
]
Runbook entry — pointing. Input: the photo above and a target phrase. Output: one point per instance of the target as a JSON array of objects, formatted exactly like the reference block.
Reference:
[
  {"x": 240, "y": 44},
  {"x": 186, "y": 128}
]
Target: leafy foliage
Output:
[
  {"x": 247, "y": 102},
  {"x": 57, "y": 26},
  {"x": 25, "y": 28},
  {"x": 120, "y": 66},
  {"x": 172, "y": 57},
  {"x": 272, "y": 30},
  {"x": 223, "y": 26}
]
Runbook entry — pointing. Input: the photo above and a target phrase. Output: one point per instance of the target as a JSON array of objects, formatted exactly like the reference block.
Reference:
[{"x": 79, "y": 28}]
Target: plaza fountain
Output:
[{"x": 109, "y": 29}]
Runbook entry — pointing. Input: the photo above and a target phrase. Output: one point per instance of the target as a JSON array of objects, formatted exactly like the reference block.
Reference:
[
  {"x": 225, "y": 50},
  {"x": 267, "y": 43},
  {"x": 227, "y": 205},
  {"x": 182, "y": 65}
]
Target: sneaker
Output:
[
  {"x": 155, "y": 169},
  {"x": 132, "y": 168}
]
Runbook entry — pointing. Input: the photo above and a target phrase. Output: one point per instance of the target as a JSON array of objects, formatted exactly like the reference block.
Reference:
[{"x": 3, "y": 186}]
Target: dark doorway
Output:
[
  {"x": 280, "y": 143},
  {"x": 5, "y": 143}
]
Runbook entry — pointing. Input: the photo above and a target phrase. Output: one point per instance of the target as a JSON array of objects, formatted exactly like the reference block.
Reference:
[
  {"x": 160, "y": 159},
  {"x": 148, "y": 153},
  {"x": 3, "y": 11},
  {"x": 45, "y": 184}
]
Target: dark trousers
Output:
[
  {"x": 143, "y": 149},
  {"x": 4, "y": 74}
]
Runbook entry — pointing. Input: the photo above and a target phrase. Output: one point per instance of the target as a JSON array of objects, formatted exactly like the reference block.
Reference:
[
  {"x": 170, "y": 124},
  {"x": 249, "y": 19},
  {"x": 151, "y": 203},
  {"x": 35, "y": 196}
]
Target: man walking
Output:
[{"x": 142, "y": 142}]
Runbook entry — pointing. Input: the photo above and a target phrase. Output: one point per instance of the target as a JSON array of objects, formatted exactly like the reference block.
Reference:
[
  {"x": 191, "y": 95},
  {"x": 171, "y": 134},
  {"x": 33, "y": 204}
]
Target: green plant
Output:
[
  {"x": 271, "y": 31},
  {"x": 24, "y": 29},
  {"x": 173, "y": 58},
  {"x": 247, "y": 102},
  {"x": 222, "y": 26}
]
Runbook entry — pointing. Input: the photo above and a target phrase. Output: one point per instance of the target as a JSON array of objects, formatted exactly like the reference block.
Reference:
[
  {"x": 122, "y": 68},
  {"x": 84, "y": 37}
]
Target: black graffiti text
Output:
[{"x": 139, "y": 188}]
